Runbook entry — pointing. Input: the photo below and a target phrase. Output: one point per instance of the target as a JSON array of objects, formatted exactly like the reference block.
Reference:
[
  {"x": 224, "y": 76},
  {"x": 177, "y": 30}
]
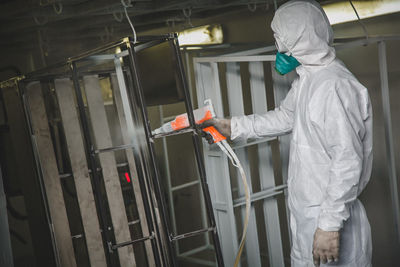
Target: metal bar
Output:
[
  {"x": 127, "y": 243},
  {"x": 182, "y": 186},
  {"x": 389, "y": 137},
  {"x": 194, "y": 251},
  {"x": 67, "y": 175},
  {"x": 238, "y": 203},
  {"x": 183, "y": 131},
  {"x": 50, "y": 77},
  {"x": 198, "y": 261},
  {"x": 123, "y": 164},
  {"x": 199, "y": 159},
  {"x": 115, "y": 148},
  {"x": 166, "y": 119},
  {"x": 77, "y": 58},
  {"x": 77, "y": 236},
  {"x": 255, "y": 51},
  {"x": 150, "y": 146},
  {"x": 148, "y": 44},
  {"x": 234, "y": 59},
  {"x": 130, "y": 106},
  {"x": 364, "y": 41},
  {"x": 262, "y": 192},
  {"x": 168, "y": 179},
  {"x": 134, "y": 222},
  {"x": 99, "y": 50},
  {"x": 107, "y": 235},
  {"x": 124, "y": 53},
  {"x": 252, "y": 143},
  {"x": 148, "y": 38},
  {"x": 194, "y": 233}
]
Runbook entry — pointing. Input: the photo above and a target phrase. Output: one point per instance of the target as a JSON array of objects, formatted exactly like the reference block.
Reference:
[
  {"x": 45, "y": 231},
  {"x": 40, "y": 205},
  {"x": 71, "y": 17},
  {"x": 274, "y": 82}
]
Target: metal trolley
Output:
[{"x": 158, "y": 237}]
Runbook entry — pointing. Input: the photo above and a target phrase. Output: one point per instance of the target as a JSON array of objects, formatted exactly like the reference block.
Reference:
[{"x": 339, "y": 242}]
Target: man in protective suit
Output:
[{"x": 329, "y": 115}]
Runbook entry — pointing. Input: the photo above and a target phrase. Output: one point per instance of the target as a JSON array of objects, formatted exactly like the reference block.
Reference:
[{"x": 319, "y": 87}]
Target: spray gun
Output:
[{"x": 201, "y": 115}]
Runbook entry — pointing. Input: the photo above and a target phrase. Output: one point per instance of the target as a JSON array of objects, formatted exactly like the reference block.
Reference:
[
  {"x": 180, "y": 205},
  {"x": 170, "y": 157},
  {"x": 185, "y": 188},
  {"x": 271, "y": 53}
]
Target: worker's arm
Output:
[{"x": 272, "y": 123}]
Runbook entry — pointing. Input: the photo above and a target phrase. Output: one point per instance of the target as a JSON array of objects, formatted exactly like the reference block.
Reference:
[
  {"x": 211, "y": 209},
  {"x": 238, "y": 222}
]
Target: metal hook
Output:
[
  {"x": 252, "y": 7},
  {"x": 57, "y": 7},
  {"x": 44, "y": 3},
  {"x": 359, "y": 20},
  {"x": 187, "y": 12},
  {"x": 116, "y": 17},
  {"x": 124, "y": 4},
  {"x": 40, "y": 23}
]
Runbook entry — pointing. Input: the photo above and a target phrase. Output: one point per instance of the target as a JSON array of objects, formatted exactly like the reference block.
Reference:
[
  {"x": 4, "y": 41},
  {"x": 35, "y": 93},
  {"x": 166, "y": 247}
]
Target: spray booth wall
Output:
[{"x": 247, "y": 27}]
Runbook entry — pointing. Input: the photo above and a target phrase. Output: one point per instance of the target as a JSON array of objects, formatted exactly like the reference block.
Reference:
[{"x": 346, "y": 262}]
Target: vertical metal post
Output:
[
  {"x": 155, "y": 177},
  {"x": 131, "y": 133},
  {"x": 200, "y": 163},
  {"x": 191, "y": 92},
  {"x": 389, "y": 136},
  {"x": 169, "y": 184},
  {"x": 106, "y": 234}
]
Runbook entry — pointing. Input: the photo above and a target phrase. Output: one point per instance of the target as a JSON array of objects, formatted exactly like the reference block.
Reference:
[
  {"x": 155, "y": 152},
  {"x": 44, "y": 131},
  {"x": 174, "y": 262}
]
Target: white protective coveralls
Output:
[{"x": 329, "y": 115}]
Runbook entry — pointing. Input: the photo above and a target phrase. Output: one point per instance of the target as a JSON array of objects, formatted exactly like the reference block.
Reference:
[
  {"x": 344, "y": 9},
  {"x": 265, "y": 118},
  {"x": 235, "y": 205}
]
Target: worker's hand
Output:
[
  {"x": 223, "y": 126},
  {"x": 325, "y": 246}
]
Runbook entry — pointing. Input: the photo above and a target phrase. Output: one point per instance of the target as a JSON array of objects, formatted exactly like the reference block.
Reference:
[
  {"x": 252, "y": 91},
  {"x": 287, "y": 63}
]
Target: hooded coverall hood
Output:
[{"x": 303, "y": 29}]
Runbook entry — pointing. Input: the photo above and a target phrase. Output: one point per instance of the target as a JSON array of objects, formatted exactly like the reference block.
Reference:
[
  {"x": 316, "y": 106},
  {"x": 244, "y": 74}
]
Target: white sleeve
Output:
[
  {"x": 344, "y": 130},
  {"x": 272, "y": 123}
]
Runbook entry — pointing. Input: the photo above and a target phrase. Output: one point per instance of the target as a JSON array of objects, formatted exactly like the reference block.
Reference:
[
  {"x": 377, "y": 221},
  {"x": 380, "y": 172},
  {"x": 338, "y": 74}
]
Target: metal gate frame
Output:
[
  {"x": 208, "y": 86},
  {"x": 141, "y": 143}
]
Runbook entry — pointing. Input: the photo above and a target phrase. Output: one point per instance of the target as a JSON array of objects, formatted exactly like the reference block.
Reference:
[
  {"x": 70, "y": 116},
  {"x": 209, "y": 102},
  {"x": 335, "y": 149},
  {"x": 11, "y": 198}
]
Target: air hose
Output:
[
  {"x": 226, "y": 148},
  {"x": 202, "y": 114}
]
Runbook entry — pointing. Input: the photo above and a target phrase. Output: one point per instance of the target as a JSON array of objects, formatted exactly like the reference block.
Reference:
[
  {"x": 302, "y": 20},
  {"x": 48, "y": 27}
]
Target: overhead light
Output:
[
  {"x": 341, "y": 12},
  {"x": 204, "y": 35}
]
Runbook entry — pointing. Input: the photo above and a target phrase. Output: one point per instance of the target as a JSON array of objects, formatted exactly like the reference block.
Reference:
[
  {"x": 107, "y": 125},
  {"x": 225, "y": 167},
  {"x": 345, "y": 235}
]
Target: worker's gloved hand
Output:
[
  {"x": 223, "y": 126},
  {"x": 325, "y": 246}
]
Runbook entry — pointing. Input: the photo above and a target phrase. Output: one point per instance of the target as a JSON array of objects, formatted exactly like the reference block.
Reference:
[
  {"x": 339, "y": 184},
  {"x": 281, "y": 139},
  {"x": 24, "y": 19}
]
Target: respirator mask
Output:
[{"x": 284, "y": 62}]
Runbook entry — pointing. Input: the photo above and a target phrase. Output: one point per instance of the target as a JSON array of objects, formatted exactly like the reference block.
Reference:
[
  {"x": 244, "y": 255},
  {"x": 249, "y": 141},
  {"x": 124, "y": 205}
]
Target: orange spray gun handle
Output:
[{"x": 217, "y": 137}]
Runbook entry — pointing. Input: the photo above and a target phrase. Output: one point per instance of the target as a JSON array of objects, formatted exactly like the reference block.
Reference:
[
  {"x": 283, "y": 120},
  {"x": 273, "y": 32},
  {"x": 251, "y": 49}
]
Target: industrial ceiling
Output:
[{"x": 24, "y": 21}]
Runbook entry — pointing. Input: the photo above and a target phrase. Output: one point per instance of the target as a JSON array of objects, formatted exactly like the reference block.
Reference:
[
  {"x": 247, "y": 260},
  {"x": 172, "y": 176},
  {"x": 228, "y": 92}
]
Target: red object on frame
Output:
[{"x": 128, "y": 179}]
